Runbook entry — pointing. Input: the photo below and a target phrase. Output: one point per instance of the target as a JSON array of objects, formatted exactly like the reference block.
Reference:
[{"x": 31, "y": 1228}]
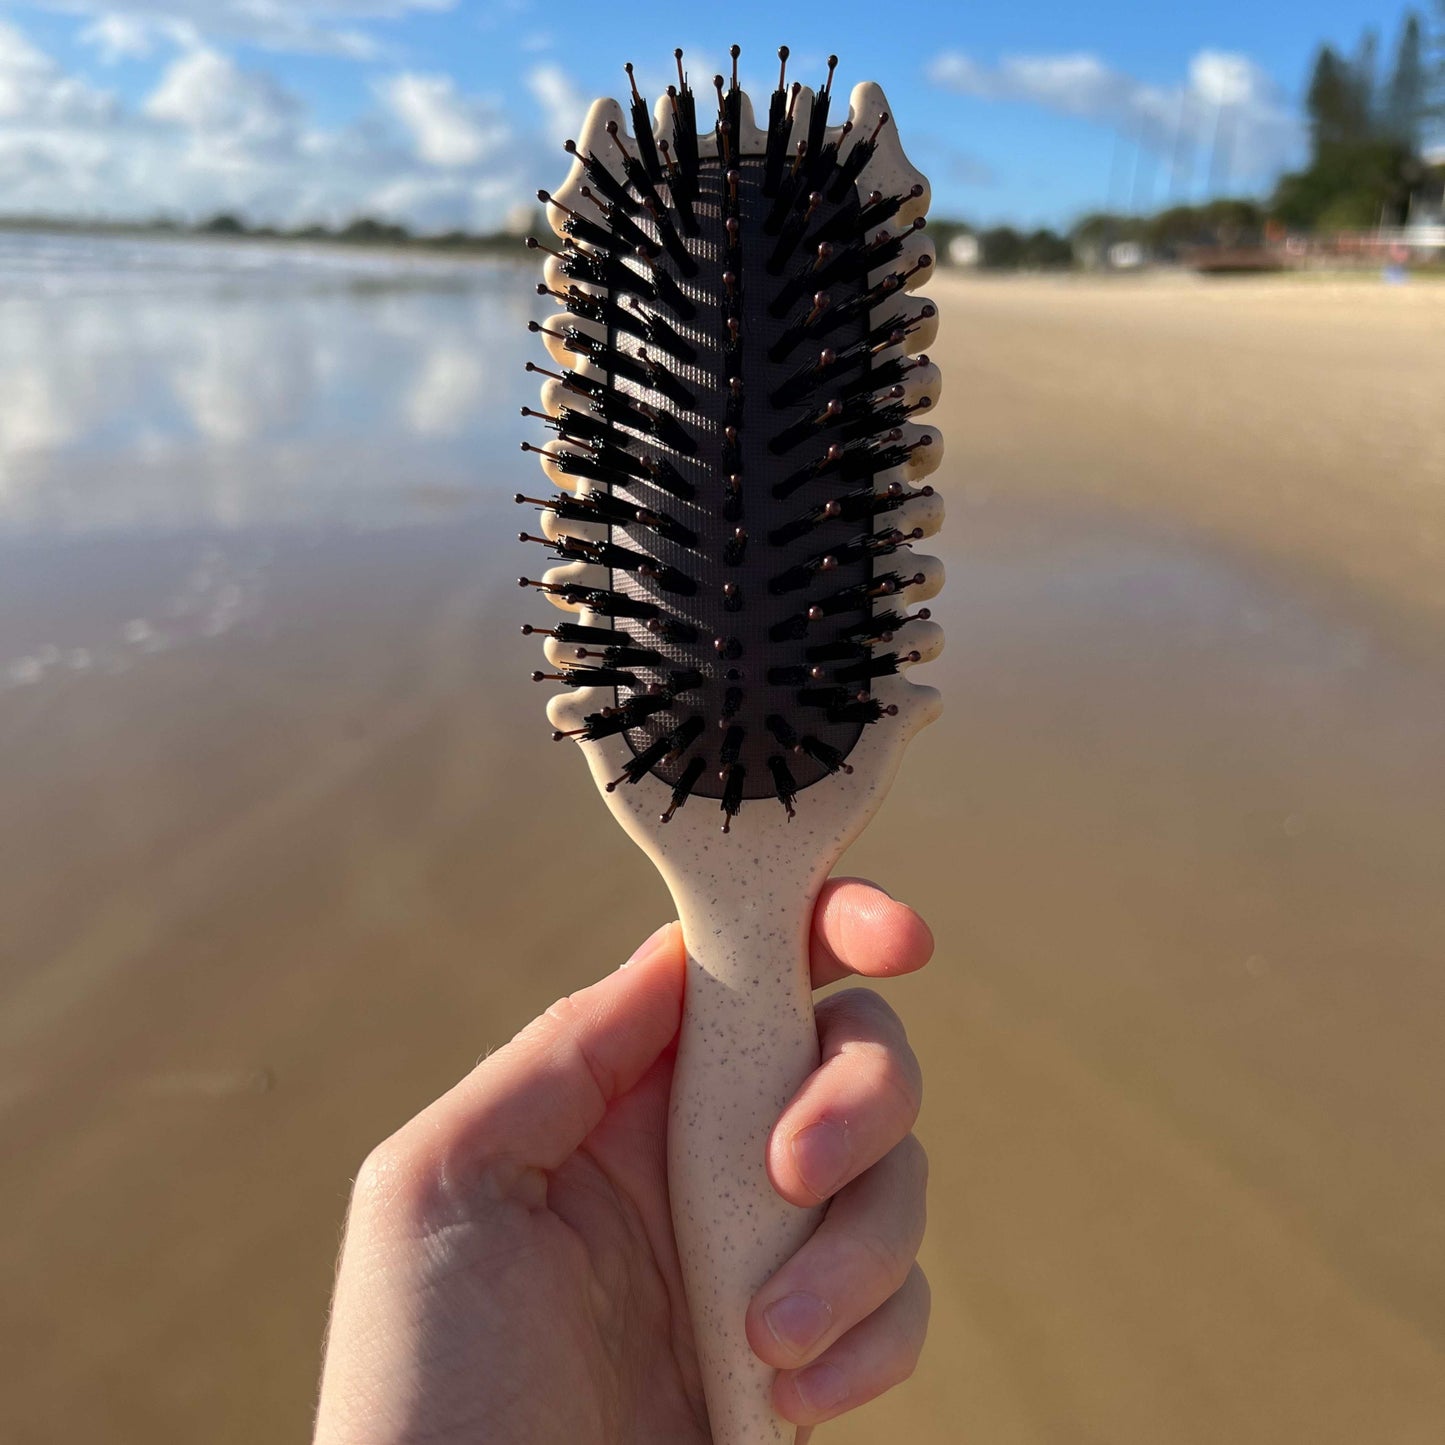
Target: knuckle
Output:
[
  {"x": 911, "y": 1190},
  {"x": 386, "y": 1174},
  {"x": 862, "y": 1012},
  {"x": 405, "y": 1179},
  {"x": 910, "y": 1351},
  {"x": 886, "y": 1259},
  {"x": 914, "y": 1159},
  {"x": 900, "y": 1077},
  {"x": 567, "y": 1017}
]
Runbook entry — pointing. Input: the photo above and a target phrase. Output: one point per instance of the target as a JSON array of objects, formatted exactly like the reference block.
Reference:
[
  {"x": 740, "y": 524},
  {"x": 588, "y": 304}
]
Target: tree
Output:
[
  {"x": 1047, "y": 250},
  {"x": 1002, "y": 248},
  {"x": 1435, "y": 79},
  {"x": 1332, "y": 103},
  {"x": 1405, "y": 100},
  {"x": 1364, "y": 84}
]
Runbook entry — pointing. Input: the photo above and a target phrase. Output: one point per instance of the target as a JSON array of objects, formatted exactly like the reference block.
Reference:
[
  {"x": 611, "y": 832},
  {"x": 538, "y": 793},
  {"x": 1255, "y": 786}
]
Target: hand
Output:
[{"x": 509, "y": 1272}]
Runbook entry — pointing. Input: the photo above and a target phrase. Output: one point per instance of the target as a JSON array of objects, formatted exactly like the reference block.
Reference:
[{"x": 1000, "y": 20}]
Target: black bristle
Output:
[
  {"x": 639, "y": 766},
  {"x": 862, "y": 712},
  {"x": 576, "y": 632},
  {"x": 599, "y": 599},
  {"x": 841, "y": 649},
  {"x": 663, "y": 379},
  {"x": 818, "y": 121},
  {"x": 580, "y": 228},
  {"x": 825, "y": 699},
  {"x": 854, "y": 162},
  {"x": 683, "y": 179},
  {"x": 604, "y": 180},
  {"x": 879, "y": 212},
  {"x": 672, "y": 295},
  {"x": 826, "y": 754},
  {"x": 625, "y": 230},
  {"x": 791, "y": 233},
  {"x": 794, "y": 675},
  {"x": 780, "y": 128},
  {"x": 784, "y": 782},
  {"x": 790, "y": 629},
  {"x": 732, "y": 746},
  {"x": 738, "y": 346},
  {"x": 672, "y": 243},
  {"x": 807, "y": 427},
  {"x": 627, "y": 655},
  {"x": 885, "y": 666},
  {"x": 734, "y": 781},
  {"x": 685, "y": 736},
  {"x": 810, "y": 325},
  {"x": 589, "y": 677},
  {"x": 611, "y": 721},
  {"x": 684, "y": 786},
  {"x": 672, "y": 630},
  {"x": 679, "y": 189},
  {"x": 642, "y": 129},
  {"x": 783, "y": 731},
  {"x": 666, "y": 478},
  {"x": 656, "y": 329}
]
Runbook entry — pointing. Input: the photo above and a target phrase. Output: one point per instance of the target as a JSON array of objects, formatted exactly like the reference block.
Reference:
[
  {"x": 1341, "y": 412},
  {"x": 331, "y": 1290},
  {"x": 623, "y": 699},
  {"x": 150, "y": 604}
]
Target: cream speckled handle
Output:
[{"x": 748, "y": 1042}]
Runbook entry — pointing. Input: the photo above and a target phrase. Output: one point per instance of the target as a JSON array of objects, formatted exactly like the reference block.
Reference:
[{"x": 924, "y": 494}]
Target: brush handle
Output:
[{"x": 748, "y": 1042}]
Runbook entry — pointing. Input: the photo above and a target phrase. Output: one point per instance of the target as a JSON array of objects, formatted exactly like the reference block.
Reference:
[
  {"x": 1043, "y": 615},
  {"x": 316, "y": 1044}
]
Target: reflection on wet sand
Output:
[{"x": 273, "y": 884}]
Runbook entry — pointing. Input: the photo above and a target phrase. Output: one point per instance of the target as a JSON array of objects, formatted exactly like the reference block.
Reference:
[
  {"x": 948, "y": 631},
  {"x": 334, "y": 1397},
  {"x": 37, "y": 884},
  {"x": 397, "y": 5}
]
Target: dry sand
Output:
[{"x": 1181, "y": 837}]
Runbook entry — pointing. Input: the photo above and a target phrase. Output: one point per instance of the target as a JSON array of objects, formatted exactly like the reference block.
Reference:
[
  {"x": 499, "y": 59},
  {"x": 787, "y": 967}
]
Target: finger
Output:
[
  {"x": 858, "y": 928},
  {"x": 863, "y": 1098},
  {"x": 534, "y": 1101},
  {"x": 860, "y": 1256},
  {"x": 868, "y": 1361}
]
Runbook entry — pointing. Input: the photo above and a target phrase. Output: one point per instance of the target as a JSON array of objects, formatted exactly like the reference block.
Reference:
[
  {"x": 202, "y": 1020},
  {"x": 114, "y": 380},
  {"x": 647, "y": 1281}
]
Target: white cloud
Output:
[
  {"x": 213, "y": 135},
  {"x": 447, "y": 129},
  {"x": 35, "y": 91},
  {"x": 1224, "y": 79},
  {"x": 315, "y": 26},
  {"x": 120, "y": 37},
  {"x": 208, "y": 95},
  {"x": 563, "y": 105},
  {"x": 1264, "y": 134}
]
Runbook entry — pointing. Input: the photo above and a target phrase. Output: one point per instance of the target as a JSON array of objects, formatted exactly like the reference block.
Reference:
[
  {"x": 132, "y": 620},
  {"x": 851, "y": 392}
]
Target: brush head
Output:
[{"x": 739, "y": 410}]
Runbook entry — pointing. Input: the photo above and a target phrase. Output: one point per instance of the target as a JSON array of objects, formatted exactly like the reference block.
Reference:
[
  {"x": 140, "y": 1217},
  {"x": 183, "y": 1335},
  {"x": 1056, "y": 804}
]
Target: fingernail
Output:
[
  {"x": 821, "y": 1388},
  {"x": 820, "y": 1153},
  {"x": 650, "y": 947},
  {"x": 798, "y": 1321}
]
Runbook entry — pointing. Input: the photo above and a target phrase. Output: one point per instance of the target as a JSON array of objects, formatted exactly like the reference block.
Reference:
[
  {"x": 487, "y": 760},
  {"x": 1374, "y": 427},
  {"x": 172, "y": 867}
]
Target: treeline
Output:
[
  {"x": 1166, "y": 235},
  {"x": 1368, "y": 128},
  {"x": 1367, "y": 131},
  {"x": 362, "y": 231}
]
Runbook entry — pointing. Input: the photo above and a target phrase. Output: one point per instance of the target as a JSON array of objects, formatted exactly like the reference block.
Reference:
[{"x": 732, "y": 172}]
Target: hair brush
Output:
[{"x": 735, "y": 396}]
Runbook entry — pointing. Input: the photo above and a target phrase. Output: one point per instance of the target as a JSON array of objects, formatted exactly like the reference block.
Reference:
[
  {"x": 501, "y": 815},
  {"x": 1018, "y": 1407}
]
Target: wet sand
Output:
[{"x": 273, "y": 885}]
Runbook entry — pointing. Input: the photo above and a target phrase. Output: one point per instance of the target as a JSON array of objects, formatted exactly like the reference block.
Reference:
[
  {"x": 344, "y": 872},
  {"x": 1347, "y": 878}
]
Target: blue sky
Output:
[{"x": 447, "y": 111}]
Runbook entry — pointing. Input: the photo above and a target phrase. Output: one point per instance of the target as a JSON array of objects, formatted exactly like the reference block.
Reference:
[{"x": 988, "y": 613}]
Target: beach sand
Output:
[{"x": 1180, "y": 836}]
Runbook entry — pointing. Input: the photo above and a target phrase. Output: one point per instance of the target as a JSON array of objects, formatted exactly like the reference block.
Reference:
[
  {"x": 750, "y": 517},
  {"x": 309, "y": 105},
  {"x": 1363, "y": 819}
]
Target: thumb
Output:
[{"x": 536, "y": 1100}]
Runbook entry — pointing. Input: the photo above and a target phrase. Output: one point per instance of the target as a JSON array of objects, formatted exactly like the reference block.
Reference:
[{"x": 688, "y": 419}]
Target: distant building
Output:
[
  {"x": 964, "y": 250},
  {"x": 1424, "y": 230}
]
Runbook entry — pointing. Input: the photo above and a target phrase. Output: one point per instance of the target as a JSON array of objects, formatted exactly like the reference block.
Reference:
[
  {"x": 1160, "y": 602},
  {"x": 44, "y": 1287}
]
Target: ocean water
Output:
[
  {"x": 151, "y": 386},
  {"x": 286, "y": 846}
]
